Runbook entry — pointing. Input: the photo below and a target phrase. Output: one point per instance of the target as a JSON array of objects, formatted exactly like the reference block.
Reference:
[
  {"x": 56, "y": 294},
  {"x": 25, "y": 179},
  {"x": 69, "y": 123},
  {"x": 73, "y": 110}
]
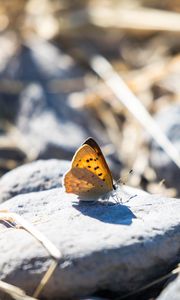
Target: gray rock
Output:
[
  {"x": 40, "y": 61},
  {"x": 169, "y": 121},
  {"x": 36, "y": 176},
  {"x": 172, "y": 291},
  {"x": 116, "y": 248},
  {"x": 49, "y": 126},
  {"x": 10, "y": 155},
  {"x": 47, "y": 131},
  {"x": 40, "y": 110},
  {"x": 8, "y": 100}
]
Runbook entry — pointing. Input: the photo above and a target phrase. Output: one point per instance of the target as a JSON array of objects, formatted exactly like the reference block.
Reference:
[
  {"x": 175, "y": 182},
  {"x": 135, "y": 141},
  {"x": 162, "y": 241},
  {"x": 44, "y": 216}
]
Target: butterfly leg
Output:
[
  {"x": 105, "y": 201},
  {"x": 117, "y": 199}
]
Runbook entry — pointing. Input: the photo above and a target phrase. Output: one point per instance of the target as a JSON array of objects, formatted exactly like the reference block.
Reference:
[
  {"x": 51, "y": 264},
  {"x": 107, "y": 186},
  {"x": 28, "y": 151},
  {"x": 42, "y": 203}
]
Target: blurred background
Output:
[{"x": 51, "y": 99}]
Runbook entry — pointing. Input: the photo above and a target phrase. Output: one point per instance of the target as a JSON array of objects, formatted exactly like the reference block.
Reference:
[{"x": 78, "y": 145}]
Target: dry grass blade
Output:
[
  {"x": 53, "y": 251},
  {"x": 136, "y": 19},
  {"x": 103, "y": 68},
  {"x": 46, "y": 278},
  {"x": 173, "y": 272},
  {"x": 15, "y": 292}
]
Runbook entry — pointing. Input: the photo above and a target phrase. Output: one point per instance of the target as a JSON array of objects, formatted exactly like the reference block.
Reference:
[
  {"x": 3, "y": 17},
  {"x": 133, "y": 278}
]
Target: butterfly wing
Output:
[
  {"x": 81, "y": 182},
  {"x": 108, "y": 176},
  {"x": 89, "y": 174}
]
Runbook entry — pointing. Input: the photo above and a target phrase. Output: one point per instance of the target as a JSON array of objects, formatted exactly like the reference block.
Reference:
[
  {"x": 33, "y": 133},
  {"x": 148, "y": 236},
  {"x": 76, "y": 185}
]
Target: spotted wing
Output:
[{"x": 89, "y": 173}]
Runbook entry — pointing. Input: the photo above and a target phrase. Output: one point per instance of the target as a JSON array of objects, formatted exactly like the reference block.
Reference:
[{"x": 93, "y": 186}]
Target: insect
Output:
[{"x": 89, "y": 176}]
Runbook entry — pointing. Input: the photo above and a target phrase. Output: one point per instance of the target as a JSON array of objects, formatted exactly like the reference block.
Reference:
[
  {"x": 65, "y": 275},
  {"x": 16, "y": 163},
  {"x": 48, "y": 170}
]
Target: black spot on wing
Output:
[{"x": 96, "y": 168}]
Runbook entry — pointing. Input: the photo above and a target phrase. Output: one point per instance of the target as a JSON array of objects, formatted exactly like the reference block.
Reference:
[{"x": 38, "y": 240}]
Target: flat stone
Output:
[
  {"x": 36, "y": 176},
  {"x": 172, "y": 291},
  {"x": 105, "y": 248}
]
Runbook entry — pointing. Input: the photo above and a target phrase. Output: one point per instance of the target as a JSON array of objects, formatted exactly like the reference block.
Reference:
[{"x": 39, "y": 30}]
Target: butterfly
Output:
[{"x": 89, "y": 176}]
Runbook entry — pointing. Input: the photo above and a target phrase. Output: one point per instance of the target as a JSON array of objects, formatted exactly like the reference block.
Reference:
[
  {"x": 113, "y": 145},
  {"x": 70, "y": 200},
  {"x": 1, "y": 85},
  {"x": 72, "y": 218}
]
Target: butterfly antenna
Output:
[{"x": 123, "y": 180}]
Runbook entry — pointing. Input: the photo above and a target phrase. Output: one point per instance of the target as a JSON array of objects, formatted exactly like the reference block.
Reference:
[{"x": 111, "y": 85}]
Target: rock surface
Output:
[
  {"x": 169, "y": 121},
  {"x": 115, "y": 248},
  {"x": 36, "y": 176},
  {"x": 48, "y": 122},
  {"x": 49, "y": 131},
  {"x": 41, "y": 110},
  {"x": 172, "y": 291}
]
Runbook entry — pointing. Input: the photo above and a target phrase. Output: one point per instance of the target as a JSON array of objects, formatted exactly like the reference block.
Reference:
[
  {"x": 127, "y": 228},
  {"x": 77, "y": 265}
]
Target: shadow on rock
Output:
[{"x": 106, "y": 212}]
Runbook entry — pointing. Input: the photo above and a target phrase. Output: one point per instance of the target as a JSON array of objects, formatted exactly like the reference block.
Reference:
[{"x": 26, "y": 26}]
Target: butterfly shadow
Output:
[{"x": 110, "y": 212}]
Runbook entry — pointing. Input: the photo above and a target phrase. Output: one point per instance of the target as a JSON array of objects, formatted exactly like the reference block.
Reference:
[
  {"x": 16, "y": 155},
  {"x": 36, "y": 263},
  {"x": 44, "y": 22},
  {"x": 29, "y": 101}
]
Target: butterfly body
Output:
[{"x": 89, "y": 176}]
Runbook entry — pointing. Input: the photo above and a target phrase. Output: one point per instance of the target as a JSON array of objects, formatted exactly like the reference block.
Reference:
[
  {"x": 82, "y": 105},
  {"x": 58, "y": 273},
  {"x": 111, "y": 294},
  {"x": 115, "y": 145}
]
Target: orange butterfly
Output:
[{"x": 89, "y": 175}]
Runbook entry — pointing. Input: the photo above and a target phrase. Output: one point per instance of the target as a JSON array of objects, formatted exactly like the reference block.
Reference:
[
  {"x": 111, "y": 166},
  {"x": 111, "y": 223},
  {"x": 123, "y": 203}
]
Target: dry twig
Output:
[{"x": 47, "y": 244}]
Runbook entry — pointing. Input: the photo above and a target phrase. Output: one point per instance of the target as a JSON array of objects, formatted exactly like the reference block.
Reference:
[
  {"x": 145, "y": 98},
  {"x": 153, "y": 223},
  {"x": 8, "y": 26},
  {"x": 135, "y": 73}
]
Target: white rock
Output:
[
  {"x": 172, "y": 291},
  {"x": 36, "y": 176},
  {"x": 118, "y": 247}
]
